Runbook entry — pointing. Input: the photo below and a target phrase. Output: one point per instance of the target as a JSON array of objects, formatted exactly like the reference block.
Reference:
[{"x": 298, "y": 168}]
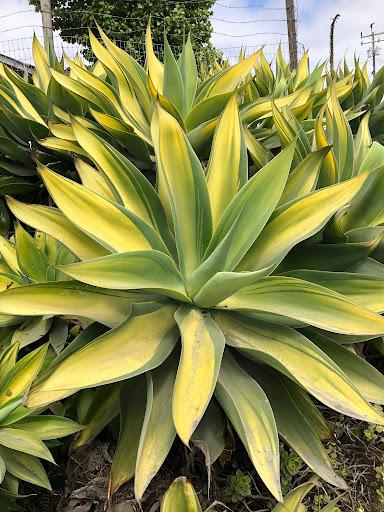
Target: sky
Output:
[{"x": 237, "y": 23}]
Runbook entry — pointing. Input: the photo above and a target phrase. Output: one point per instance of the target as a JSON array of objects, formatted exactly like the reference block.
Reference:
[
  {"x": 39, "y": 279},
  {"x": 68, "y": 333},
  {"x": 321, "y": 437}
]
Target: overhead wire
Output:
[
  {"x": 96, "y": 14},
  {"x": 260, "y": 6},
  {"x": 16, "y": 12}
]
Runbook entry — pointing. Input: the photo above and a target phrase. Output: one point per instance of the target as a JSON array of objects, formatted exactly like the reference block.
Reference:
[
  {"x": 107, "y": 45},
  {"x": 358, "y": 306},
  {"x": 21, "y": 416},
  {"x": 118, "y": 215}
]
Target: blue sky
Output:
[
  {"x": 313, "y": 27},
  {"x": 237, "y": 19}
]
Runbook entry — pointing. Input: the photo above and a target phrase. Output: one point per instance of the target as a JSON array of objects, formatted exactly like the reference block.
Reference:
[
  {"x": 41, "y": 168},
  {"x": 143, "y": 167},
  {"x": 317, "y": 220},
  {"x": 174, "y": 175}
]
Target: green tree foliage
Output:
[{"x": 126, "y": 20}]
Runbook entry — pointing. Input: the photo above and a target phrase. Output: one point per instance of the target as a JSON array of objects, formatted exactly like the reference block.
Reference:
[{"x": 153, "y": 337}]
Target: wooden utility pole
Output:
[
  {"x": 46, "y": 18},
  {"x": 292, "y": 32}
]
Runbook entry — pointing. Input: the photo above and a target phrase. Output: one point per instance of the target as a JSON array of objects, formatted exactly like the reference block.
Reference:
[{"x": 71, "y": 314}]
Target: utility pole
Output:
[
  {"x": 292, "y": 32},
  {"x": 373, "y": 50},
  {"x": 46, "y": 18},
  {"x": 373, "y": 40}
]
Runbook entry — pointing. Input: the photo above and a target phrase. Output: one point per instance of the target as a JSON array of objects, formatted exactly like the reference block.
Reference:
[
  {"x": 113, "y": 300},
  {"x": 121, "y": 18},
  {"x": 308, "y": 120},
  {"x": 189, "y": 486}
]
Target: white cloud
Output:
[
  {"x": 355, "y": 17},
  {"x": 18, "y": 22},
  {"x": 237, "y": 26},
  {"x": 16, "y": 28},
  {"x": 313, "y": 27}
]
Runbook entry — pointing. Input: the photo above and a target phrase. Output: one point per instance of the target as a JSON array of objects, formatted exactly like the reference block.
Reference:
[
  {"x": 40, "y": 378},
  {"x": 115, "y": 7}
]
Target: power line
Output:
[
  {"x": 131, "y": 18},
  {"x": 260, "y": 6},
  {"x": 16, "y": 12},
  {"x": 213, "y": 32},
  {"x": 248, "y": 21},
  {"x": 175, "y": 2},
  {"x": 94, "y": 13},
  {"x": 17, "y": 28},
  {"x": 213, "y": 18},
  {"x": 140, "y": 30},
  {"x": 250, "y": 35}
]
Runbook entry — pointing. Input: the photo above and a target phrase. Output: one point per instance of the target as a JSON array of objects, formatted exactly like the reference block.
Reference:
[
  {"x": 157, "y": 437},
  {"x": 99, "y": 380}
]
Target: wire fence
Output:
[
  {"x": 240, "y": 31},
  {"x": 20, "y": 50}
]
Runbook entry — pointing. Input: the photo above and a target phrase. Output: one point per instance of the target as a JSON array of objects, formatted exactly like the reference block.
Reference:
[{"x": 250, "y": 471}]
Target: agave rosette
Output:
[
  {"x": 24, "y": 108},
  {"x": 185, "y": 278},
  {"x": 23, "y": 432},
  {"x": 329, "y": 153},
  {"x": 32, "y": 259},
  {"x": 120, "y": 94}
]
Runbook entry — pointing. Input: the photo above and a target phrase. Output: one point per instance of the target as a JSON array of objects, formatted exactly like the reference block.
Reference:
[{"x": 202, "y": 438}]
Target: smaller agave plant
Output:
[
  {"x": 182, "y": 497},
  {"x": 23, "y": 431},
  {"x": 354, "y": 237},
  {"x": 186, "y": 278},
  {"x": 24, "y": 109},
  {"x": 32, "y": 259}
]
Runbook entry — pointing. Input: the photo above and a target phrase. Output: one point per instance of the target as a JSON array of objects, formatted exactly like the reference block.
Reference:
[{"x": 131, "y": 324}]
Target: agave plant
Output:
[
  {"x": 23, "y": 431},
  {"x": 115, "y": 96},
  {"x": 120, "y": 101},
  {"x": 352, "y": 242},
  {"x": 32, "y": 259},
  {"x": 23, "y": 118},
  {"x": 356, "y": 232},
  {"x": 186, "y": 276},
  {"x": 181, "y": 497}
]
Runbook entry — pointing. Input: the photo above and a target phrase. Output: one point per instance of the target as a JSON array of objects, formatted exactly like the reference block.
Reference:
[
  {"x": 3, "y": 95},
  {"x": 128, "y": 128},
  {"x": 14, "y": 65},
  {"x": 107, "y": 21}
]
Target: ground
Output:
[{"x": 80, "y": 483}]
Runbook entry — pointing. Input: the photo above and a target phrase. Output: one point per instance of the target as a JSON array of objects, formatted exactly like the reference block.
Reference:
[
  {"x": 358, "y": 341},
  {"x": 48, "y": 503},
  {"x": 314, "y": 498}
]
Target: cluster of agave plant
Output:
[{"x": 199, "y": 250}]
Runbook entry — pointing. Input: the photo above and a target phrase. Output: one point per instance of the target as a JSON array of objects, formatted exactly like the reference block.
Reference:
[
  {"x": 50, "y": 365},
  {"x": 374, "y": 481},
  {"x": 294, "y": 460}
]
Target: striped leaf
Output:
[
  {"x": 295, "y": 428},
  {"x": 133, "y": 190},
  {"x": 110, "y": 307},
  {"x": 227, "y": 167},
  {"x": 244, "y": 219},
  {"x": 17, "y": 381},
  {"x": 363, "y": 289},
  {"x": 158, "y": 432},
  {"x": 132, "y": 412},
  {"x": 93, "y": 180},
  {"x": 202, "y": 350},
  {"x": 297, "y": 221},
  {"x": 24, "y": 442},
  {"x": 24, "y": 466},
  {"x": 182, "y": 185},
  {"x": 180, "y": 496},
  {"x": 54, "y": 223},
  {"x": 250, "y": 413},
  {"x": 294, "y": 355},
  {"x": 365, "y": 377},
  {"x": 131, "y": 270},
  {"x": 115, "y": 360},
  {"x": 114, "y": 227},
  {"x": 306, "y": 302}
]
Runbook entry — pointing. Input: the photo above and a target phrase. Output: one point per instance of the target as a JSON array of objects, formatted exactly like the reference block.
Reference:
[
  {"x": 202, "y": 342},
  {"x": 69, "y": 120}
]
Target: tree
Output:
[{"x": 125, "y": 22}]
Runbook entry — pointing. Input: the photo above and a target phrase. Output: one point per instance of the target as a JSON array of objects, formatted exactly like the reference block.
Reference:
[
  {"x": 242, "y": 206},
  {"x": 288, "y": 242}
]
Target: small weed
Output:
[
  {"x": 320, "y": 501},
  {"x": 291, "y": 464},
  {"x": 374, "y": 433},
  {"x": 238, "y": 487},
  {"x": 380, "y": 476}
]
